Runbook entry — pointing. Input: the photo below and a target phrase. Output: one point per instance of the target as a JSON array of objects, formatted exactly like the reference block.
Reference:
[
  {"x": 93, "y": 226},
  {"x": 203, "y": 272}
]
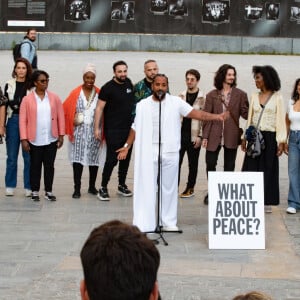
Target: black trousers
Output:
[
  {"x": 42, "y": 155},
  {"x": 111, "y": 162},
  {"x": 193, "y": 157},
  {"x": 211, "y": 159},
  {"x": 77, "y": 173}
]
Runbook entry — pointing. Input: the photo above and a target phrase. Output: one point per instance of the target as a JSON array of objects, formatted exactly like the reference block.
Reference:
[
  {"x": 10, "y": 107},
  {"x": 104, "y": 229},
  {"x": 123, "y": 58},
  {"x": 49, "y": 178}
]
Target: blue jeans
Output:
[
  {"x": 294, "y": 169},
  {"x": 12, "y": 151}
]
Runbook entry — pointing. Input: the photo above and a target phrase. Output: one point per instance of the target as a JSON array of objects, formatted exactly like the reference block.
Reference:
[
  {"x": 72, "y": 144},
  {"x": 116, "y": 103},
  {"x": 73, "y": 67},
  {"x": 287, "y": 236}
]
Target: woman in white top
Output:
[
  {"x": 293, "y": 149},
  {"x": 273, "y": 128}
]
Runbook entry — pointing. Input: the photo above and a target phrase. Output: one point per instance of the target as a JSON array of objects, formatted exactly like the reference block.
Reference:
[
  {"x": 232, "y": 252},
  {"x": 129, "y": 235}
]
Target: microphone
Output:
[{"x": 160, "y": 94}]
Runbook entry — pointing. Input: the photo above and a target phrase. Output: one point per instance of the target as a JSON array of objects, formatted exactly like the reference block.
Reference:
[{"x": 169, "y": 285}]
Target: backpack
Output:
[{"x": 17, "y": 50}]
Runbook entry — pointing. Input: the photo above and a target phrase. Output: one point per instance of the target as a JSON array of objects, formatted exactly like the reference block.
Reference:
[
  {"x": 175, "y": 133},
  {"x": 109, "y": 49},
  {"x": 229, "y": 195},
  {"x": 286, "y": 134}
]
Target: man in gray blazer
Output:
[{"x": 225, "y": 97}]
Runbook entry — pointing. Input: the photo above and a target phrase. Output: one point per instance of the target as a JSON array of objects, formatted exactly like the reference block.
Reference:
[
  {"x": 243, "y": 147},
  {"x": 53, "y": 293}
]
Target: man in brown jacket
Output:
[{"x": 224, "y": 97}]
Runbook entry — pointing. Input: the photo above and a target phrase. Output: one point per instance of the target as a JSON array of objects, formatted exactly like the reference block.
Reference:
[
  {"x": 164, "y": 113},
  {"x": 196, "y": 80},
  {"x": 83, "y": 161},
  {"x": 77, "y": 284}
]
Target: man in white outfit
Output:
[{"x": 145, "y": 132}]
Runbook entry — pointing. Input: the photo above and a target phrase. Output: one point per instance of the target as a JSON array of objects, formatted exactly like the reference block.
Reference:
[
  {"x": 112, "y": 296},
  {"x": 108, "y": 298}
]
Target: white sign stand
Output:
[{"x": 236, "y": 210}]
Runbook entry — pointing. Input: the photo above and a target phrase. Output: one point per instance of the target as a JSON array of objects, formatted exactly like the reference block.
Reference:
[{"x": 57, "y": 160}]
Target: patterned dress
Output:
[{"x": 86, "y": 150}]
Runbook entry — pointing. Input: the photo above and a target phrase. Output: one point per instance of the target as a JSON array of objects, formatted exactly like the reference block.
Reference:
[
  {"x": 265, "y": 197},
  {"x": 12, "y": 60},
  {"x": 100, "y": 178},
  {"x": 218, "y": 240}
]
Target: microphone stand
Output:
[{"x": 159, "y": 228}]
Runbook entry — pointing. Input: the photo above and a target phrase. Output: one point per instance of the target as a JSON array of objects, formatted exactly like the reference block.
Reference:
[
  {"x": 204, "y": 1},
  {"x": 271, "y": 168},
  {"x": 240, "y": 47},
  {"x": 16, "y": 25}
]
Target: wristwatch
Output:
[{"x": 126, "y": 145}]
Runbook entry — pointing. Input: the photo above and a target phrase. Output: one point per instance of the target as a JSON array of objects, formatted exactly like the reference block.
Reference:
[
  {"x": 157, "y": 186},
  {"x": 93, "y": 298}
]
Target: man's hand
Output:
[
  {"x": 25, "y": 145},
  {"x": 122, "y": 153},
  {"x": 197, "y": 142},
  {"x": 204, "y": 143},
  {"x": 224, "y": 116}
]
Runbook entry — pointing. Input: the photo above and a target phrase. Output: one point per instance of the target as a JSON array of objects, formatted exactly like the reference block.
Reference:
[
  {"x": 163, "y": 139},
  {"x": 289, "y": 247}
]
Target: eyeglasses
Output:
[{"x": 43, "y": 80}]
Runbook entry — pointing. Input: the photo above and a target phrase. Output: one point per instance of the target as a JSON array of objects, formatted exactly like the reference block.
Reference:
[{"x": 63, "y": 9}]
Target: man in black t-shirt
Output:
[
  {"x": 191, "y": 131},
  {"x": 116, "y": 102}
]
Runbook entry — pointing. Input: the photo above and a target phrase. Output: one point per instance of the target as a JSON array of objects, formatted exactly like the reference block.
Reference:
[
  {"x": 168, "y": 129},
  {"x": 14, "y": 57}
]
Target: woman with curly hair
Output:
[{"x": 273, "y": 128}]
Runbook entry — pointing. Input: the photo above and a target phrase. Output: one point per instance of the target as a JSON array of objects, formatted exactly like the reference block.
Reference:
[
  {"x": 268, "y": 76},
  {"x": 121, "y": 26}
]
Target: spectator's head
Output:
[
  {"x": 296, "y": 90},
  {"x": 120, "y": 71},
  {"x": 226, "y": 74},
  {"x": 150, "y": 69},
  {"x": 266, "y": 77},
  {"x": 31, "y": 34},
  {"x": 39, "y": 80},
  {"x": 89, "y": 76},
  {"x": 119, "y": 263},
  {"x": 253, "y": 296},
  {"x": 22, "y": 70},
  {"x": 192, "y": 78}
]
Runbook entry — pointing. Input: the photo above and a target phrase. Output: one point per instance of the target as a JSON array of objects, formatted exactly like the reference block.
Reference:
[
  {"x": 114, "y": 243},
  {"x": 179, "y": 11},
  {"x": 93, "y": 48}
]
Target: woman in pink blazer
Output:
[{"x": 42, "y": 129}]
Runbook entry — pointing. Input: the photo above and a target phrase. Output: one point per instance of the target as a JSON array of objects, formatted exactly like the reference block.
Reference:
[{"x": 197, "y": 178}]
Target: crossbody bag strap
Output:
[{"x": 263, "y": 110}]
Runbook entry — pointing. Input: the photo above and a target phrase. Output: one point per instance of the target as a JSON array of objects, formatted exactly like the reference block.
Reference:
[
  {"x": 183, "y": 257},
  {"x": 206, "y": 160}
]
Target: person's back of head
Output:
[
  {"x": 253, "y": 296},
  {"x": 119, "y": 263}
]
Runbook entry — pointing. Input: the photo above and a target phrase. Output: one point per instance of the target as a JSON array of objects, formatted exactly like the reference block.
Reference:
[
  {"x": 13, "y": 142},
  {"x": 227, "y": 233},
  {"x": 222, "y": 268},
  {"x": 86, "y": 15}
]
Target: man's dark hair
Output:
[
  {"x": 119, "y": 263},
  {"x": 270, "y": 77},
  {"x": 295, "y": 94},
  {"x": 221, "y": 75},
  {"x": 193, "y": 72},
  {"x": 28, "y": 31},
  {"x": 119, "y": 63},
  {"x": 160, "y": 75},
  {"x": 149, "y": 61}
]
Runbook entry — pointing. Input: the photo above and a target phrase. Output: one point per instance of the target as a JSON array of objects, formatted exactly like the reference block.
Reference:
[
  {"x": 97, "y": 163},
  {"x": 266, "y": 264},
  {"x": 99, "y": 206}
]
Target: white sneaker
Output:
[
  {"x": 28, "y": 193},
  {"x": 268, "y": 209},
  {"x": 9, "y": 192},
  {"x": 291, "y": 210},
  {"x": 170, "y": 228}
]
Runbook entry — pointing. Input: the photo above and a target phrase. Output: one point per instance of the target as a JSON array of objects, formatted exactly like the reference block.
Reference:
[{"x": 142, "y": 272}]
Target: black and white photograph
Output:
[
  {"x": 215, "y": 11},
  {"x": 253, "y": 12},
  {"x": 295, "y": 13},
  {"x": 77, "y": 10},
  {"x": 122, "y": 11},
  {"x": 178, "y": 9},
  {"x": 272, "y": 11},
  {"x": 159, "y": 7}
]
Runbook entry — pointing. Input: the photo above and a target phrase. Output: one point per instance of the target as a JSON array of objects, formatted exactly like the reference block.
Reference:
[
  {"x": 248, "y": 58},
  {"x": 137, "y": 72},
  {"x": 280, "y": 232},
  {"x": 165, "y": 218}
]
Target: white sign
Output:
[{"x": 236, "y": 210}]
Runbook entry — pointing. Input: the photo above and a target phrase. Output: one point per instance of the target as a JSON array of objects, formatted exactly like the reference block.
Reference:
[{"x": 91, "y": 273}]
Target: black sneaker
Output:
[
  {"x": 50, "y": 197},
  {"x": 103, "y": 194},
  {"x": 35, "y": 196},
  {"x": 123, "y": 190},
  {"x": 92, "y": 190}
]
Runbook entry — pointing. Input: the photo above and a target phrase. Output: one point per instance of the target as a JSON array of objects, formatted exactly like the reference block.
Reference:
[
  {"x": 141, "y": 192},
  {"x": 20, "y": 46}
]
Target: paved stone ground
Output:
[{"x": 40, "y": 242}]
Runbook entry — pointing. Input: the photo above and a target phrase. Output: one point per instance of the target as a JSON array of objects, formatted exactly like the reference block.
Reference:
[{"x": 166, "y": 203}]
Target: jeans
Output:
[
  {"x": 294, "y": 169},
  {"x": 12, "y": 150}
]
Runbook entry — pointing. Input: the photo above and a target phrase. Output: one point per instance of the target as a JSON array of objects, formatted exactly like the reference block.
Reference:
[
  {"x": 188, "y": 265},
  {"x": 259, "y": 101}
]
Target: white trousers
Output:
[{"x": 145, "y": 206}]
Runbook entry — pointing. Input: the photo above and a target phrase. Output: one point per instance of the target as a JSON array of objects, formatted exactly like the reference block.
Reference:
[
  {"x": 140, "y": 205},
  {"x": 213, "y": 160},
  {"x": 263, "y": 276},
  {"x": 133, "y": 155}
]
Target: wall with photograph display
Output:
[{"x": 255, "y": 18}]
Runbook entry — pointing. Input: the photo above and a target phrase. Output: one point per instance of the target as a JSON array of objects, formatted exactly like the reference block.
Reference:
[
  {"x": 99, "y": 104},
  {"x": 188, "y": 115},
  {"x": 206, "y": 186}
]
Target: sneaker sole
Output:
[
  {"x": 102, "y": 199},
  {"x": 51, "y": 200},
  {"x": 125, "y": 195},
  {"x": 187, "y": 196}
]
